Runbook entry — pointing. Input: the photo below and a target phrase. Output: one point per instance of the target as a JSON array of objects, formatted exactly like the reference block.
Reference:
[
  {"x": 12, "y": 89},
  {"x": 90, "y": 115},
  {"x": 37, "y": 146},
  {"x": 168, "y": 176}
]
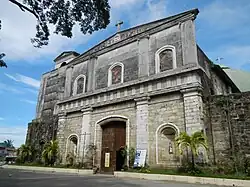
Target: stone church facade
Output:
[{"x": 139, "y": 88}]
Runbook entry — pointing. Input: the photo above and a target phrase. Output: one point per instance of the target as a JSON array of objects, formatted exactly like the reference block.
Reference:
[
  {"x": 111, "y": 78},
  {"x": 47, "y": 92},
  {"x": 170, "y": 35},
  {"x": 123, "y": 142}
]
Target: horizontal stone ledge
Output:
[
  {"x": 50, "y": 169},
  {"x": 186, "y": 179}
]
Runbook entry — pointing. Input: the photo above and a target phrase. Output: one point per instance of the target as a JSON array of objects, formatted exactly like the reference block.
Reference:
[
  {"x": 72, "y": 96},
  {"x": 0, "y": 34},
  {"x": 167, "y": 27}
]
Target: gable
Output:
[
  {"x": 65, "y": 54},
  {"x": 139, "y": 30}
]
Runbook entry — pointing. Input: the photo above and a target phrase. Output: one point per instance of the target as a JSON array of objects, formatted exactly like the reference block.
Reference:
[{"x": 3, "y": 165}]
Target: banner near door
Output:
[{"x": 140, "y": 158}]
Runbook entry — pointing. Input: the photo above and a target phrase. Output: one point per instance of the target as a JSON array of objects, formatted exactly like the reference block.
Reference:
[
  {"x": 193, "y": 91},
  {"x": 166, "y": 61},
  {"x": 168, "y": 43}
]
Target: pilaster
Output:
[
  {"x": 60, "y": 135},
  {"x": 68, "y": 81},
  {"x": 193, "y": 109},
  {"x": 85, "y": 132},
  {"x": 142, "y": 123},
  {"x": 189, "y": 48},
  {"x": 143, "y": 45},
  {"x": 91, "y": 73}
]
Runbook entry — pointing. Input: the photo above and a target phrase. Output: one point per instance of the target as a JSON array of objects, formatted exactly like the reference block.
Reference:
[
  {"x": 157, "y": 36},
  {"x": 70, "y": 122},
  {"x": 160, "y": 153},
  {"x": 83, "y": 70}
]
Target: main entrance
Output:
[{"x": 113, "y": 143}]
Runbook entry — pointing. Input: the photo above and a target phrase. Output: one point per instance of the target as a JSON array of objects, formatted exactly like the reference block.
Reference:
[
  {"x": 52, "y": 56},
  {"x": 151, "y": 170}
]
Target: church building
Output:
[{"x": 139, "y": 89}]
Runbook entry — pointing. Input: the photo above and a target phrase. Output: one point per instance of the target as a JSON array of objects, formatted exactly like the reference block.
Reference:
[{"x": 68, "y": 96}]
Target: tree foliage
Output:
[
  {"x": 9, "y": 143},
  {"x": 196, "y": 140},
  {"x": 2, "y": 63},
  {"x": 50, "y": 152},
  {"x": 25, "y": 153},
  {"x": 90, "y": 15}
]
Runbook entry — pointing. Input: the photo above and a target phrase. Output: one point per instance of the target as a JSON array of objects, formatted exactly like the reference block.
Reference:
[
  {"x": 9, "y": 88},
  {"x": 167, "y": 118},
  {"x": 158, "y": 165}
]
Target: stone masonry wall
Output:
[
  {"x": 44, "y": 127},
  {"x": 228, "y": 125},
  {"x": 164, "y": 109},
  {"x": 172, "y": 37}
]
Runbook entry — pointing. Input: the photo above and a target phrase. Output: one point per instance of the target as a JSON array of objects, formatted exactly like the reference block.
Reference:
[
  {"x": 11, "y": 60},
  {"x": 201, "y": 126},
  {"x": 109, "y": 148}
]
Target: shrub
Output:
[
  {"x": 50, "y": 152},
  {"x": 189, "y": 168}
]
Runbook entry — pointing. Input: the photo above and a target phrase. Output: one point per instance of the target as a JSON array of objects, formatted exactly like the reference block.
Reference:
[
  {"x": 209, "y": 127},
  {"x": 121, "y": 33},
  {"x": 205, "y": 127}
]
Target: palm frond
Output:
[{"x": 50, "y": 151}]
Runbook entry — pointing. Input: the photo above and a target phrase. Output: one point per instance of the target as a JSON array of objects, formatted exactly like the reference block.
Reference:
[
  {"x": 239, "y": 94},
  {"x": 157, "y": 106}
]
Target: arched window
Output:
[
  {"x": 165, "y": 58},
  {"x": 79, "y": 85},
  {"x": 115, "y": 74},
  {"x": 63, "y": 64}
]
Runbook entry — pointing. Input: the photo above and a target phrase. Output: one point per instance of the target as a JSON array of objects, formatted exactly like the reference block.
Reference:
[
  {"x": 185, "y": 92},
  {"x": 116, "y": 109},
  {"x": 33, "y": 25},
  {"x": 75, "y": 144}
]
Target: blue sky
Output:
[{"x": 222, "y": 30}]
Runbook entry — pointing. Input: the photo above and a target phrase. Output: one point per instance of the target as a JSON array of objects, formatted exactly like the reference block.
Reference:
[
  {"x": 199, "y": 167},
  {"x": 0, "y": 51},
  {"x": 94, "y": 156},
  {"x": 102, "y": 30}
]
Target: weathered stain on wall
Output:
[{"x": 228, "y": 124}]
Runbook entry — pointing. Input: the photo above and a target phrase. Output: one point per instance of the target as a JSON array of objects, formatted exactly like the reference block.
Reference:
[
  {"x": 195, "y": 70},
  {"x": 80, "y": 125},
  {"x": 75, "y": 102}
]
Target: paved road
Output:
[{"x": 14, "y": 178}]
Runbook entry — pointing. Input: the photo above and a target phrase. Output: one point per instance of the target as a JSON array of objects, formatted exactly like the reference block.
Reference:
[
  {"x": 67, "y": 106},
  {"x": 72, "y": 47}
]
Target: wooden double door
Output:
[{"x": 113, "y": 142}]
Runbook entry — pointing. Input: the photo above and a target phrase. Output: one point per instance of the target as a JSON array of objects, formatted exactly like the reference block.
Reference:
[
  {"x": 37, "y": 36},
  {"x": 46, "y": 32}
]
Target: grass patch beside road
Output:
[{"x": 176, "y": 172}]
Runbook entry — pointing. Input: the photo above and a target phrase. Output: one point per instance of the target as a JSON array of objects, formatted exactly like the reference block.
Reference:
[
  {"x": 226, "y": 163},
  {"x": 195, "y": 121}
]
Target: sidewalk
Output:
[
  {"x": 185, "y": 179},
  {"x": 50, "y": 169}
]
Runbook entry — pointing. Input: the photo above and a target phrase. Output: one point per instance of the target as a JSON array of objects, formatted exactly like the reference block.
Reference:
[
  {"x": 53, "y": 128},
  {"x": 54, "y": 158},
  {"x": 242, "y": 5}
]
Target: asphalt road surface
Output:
[{"x": 15, "y": 178}]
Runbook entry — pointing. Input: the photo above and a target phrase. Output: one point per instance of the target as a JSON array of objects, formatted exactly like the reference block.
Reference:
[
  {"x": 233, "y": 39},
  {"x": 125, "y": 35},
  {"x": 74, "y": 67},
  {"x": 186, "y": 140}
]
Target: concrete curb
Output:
[
  {"x": 52, "y": 170},
  {"x": 186, "y": 179}
]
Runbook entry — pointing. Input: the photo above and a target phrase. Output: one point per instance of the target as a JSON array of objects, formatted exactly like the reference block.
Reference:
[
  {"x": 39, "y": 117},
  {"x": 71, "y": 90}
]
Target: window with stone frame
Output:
[
  {"x": 116, "y": 74},
  {"x": 80, "y": 85},
  {"x": 166, "y": 60}
]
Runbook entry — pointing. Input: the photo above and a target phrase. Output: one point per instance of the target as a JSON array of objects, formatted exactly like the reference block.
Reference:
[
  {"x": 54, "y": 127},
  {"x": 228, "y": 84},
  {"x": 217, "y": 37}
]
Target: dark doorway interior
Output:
[
  {"x": 113, "y": 141},
  {"x": 120, "y": 159}
]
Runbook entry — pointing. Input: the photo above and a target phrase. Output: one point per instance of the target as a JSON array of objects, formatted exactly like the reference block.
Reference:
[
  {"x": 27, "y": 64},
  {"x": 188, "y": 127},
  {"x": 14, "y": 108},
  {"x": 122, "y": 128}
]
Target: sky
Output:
[{"x": 222, "y": 30}]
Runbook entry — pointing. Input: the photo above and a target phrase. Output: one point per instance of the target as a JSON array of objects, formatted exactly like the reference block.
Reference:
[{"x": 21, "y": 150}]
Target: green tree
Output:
[
  {"x": 50, "y": 152},
  {"x": 25, "y": 153},
  {"x": 2, "y": 63},
  {"x": 90, "y": 15},
  {"x": 193, "y": 142},
  {"x": 9, "y": 143}
]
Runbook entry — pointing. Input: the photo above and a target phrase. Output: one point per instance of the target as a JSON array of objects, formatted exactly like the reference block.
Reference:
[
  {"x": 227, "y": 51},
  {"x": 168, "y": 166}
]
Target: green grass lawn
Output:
[{"x": 174, "y": 172}]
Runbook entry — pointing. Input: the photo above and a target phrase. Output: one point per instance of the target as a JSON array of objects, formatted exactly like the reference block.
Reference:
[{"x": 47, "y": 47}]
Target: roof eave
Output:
[
  {"x": 224, "y": 76},
  {"x": 69, "y": 53}
]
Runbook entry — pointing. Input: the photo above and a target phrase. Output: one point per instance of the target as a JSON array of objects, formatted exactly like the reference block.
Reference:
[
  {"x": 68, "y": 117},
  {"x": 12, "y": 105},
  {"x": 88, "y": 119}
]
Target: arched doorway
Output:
[{"x": 113, "y": 143}]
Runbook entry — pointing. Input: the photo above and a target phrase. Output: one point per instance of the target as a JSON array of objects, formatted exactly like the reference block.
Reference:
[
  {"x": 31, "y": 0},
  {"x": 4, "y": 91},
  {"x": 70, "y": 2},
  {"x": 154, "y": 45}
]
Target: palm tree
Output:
[
  {"x": 25, "y": 153},
  {"x": 50, "y": 152},
  {"x": 194, "y": 141},
  {"x": 9, "y": 143}
]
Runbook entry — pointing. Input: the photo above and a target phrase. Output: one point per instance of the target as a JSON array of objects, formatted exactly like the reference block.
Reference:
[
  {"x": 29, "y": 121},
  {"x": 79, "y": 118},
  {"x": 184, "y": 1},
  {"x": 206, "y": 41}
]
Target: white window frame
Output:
[
  {"x": 75, "y": 84},
  {"x": 157, "y": 57},
  {"x": 110, "y": 72}
]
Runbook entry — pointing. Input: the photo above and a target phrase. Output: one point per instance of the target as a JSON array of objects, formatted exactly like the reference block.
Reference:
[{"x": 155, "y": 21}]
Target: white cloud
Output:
[
  {"x": 222, "y": 16},
  {"x": 143, "y": 10},
  {"x": 11, "y": 77},
  {"x": 31, "y": 90},
  {"x": 24, "y": 79},
  {"x": 29, "y": 101},
  {"x": 5, "y": 87},
  {"x": 122, "y": 3},
  {"x": 19, "y": 27},
  {"x": 16, "y": 133},
  {"x": 235, "y": 56},
  {"x": 224, "y": 32}
]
